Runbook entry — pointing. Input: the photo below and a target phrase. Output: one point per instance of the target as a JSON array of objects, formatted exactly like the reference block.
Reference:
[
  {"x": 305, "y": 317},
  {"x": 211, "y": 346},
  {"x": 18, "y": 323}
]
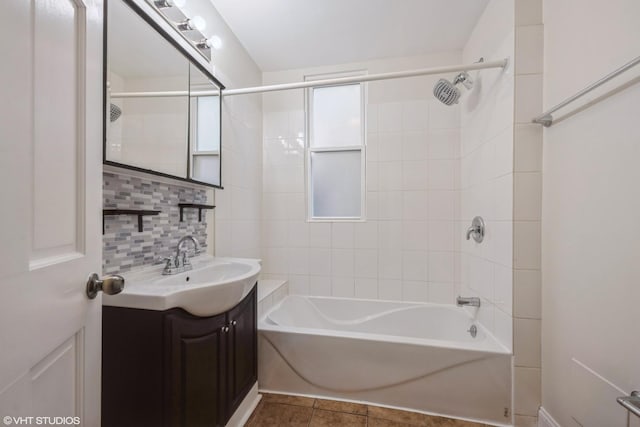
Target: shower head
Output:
[
  {"x": 114, "y": 112},
  {"x": 447, "y": 92}
]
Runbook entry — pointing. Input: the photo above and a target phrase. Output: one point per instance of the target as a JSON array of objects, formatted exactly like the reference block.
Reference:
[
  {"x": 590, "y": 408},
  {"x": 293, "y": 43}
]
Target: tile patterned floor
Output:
[{"x": 295, "y": 411}]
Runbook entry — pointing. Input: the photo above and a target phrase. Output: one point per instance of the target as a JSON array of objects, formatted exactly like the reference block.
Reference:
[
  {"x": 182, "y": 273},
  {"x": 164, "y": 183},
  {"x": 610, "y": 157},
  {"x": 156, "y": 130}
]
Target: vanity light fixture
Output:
[
  {"x": 190, "y": 28},
  {"x": 214, "y": 42},
  {"x": 163, "y": 4}
]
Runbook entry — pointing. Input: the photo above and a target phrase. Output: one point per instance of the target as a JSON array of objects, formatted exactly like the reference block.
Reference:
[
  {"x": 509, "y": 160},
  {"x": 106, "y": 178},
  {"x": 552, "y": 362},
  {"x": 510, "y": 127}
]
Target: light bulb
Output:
[
  {"x": 198, "y": 23},
  {"x": 215, "y": 42}
]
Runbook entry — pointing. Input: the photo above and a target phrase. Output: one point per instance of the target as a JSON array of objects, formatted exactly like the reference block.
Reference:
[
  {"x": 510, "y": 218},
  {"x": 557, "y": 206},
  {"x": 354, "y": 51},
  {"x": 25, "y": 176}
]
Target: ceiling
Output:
[{"x": 286, "y": 34}]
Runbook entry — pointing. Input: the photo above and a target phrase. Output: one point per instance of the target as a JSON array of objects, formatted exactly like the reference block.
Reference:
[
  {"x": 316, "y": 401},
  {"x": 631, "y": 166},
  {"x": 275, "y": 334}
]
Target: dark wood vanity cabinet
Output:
[{"x": 170, "y": 368}]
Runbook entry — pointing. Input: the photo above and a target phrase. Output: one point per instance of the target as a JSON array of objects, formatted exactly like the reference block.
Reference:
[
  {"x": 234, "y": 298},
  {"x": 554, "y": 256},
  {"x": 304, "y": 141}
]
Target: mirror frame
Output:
[{"x": 105, "y": 74}]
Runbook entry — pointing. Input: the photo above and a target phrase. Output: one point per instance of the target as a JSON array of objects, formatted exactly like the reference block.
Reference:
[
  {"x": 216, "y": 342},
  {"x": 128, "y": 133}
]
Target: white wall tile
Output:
[
  {"x": 389, "y": 264},
  {"x": 366, "y": 263},
  {"x": 415, "y": 236},
  {"x": 529, "y": 97},
  {"x": 526, "y": 245},
  {"x": 441, "y": 267},
  {"x": 414, "y": 145},
  {"x": 414, "y": 115},
  {"x": 342, "y": 262},
  {"x": 443, "y": 116},
  {"x": 389, "y": 289},
  {"x": 414, "y": 265},
  {"x": 528, "y": 148},
  {"x": 414, "y": 291},
  {"x": 441, "y": 174},
  {"x": 366, "y": 235},
  {"x": 366, "y": 288},
  {"x": 320, "y": 261},
  {"x": 390, "y": 116},
  {"x": 343, "y": 287},
  {"x": 527, "y": 196},
  {"x": 298, "y": 234},
  {"x": 320, "y": 286},
  {"x": 298, "y": 260},
  {"x": 526, "y": 349},
  {"x": 527, "y": 294},
  {"x": 320, "y": 235},
  {"x": 414, "y": 205},
  {"x": 389, "y": 146},
  {"x": 390, "y": 176},
  {"x": 342, "y": 235},
  {"x": 528, "y": 12},
  {"x": 441, "y": 293},
  {"x": 414, "y": 175},
  {"x": 526, "y": 391},
  {"x": 441, "y": 236},
  {"x": 529, "y": 46},
  {"x": 299, "y": 285}
]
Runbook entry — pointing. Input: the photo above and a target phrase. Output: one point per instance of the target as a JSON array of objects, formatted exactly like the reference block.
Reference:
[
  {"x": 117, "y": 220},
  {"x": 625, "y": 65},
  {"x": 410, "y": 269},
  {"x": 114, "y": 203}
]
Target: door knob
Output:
[{"x": 110, "y": 285}]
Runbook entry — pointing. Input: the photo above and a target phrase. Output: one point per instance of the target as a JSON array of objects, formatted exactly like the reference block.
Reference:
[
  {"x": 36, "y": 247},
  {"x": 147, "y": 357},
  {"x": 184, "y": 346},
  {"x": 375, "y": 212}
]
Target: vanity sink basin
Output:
[{"x": 213, "y": 286}]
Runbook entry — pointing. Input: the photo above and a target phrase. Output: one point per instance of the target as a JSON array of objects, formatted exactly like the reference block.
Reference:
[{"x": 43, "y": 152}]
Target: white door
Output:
[{"x": 50, "y": 210}]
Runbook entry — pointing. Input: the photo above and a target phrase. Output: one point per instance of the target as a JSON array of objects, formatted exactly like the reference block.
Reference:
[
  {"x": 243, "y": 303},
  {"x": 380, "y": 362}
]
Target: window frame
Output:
[
  {"x": 362, "y": 148},
  {"x": 193, "y": 137}
]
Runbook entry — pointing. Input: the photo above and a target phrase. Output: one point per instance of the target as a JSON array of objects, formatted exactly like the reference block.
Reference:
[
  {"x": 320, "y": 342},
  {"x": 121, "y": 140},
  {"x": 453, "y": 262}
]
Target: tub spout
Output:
[{"x": 470, "y": 301}]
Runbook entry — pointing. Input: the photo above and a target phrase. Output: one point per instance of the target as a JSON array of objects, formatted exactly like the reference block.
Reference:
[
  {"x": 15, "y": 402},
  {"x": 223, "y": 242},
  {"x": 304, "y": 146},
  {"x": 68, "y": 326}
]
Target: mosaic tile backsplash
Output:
[{"x": 123, "y": 246}]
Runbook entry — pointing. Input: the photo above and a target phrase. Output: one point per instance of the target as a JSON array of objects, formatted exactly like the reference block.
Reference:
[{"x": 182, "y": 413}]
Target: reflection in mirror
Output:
[
  {"x": 205, "y": 129},
  {"x": 147, "y": 96}
]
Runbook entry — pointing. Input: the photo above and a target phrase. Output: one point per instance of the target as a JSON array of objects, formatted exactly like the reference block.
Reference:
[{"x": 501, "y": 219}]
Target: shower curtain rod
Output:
[
  {"x": 367, "y": 78},
  {"x": 502, "y": 63}
]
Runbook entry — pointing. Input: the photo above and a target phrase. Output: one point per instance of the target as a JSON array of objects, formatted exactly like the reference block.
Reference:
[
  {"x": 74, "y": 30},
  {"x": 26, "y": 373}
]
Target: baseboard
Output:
[
  {"x": 244, "y": 411},
  {"x": 545, "y": 419}
]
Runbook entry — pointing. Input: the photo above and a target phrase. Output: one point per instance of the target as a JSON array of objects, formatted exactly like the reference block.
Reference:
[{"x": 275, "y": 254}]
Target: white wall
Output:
[
  {"x": 590, "y": 216},
  {"x": 406, "y": 249},
  {"x": 487, "y": 170},
  {"x": 238, "y": 206}
]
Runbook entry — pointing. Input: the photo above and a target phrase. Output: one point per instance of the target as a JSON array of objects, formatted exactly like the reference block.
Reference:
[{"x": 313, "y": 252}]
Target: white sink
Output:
[{"x": 213, "y": 286}]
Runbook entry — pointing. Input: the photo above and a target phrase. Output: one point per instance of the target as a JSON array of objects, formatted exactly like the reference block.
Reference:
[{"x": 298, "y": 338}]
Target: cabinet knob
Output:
[
  {"x": 234, "y": 323},
  {"x": 225, "y": 329}
]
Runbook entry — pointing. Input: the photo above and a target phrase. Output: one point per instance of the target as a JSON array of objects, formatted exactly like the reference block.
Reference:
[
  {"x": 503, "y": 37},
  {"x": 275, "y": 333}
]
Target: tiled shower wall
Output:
[
  {"x": 487, "y": 170},
  {"x": 123, "y": 246},
  {"x": 406, "y": 249}
]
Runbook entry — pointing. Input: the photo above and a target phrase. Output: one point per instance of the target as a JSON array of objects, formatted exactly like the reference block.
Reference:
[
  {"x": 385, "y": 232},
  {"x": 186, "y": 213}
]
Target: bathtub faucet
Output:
[{"x": 470, "y": 301}]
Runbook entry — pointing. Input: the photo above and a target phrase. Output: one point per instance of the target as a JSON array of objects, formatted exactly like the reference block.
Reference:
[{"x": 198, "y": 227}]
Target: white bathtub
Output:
[{"x": 407, "y": 355}]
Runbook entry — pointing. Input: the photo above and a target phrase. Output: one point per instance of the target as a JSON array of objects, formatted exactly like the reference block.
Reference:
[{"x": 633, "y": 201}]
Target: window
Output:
[
  {"x": 336, "y": 152},
  {"x": 205, "y": 141}
]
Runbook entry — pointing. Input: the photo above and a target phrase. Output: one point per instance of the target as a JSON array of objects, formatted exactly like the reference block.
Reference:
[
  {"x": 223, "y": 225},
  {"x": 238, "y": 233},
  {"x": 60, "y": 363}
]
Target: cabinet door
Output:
[
  {"x": 243, "y": 350},
  {"x": 196, "y": 383}
]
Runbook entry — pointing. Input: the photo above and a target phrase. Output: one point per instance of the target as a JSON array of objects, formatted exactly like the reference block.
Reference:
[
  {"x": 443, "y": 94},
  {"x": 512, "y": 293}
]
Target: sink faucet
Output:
[
  {"x": 470, "y": 301},
  {"x": 180, "y": 262}
]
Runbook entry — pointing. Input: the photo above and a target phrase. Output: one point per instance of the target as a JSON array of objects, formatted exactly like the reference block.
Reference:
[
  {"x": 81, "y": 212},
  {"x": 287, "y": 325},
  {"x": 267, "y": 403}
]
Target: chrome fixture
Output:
[
  {"x": 447, "y": 92},
  {"x": 190, "y": 28},
  {"x": 180, "y": 262},
  {"x": 631, "y": 402},
  {"x": 473, "y": 331},
  {"x": 470, "y": 301},
  {"x": 114, "y": 112},
  {"x": 110, "y": 285},
  {"x": 546, "y": 118},
  {"x": 476, "y": 230}
]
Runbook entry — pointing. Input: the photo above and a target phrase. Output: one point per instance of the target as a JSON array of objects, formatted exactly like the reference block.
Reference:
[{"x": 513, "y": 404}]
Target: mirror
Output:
[
  {"x": 205, "y": 129},
  {"x": 163, "y": 112}
]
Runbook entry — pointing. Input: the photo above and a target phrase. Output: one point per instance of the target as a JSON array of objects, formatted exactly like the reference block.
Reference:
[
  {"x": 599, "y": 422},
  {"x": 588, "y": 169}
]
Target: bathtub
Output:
[{"x": 415, "y": 356}]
